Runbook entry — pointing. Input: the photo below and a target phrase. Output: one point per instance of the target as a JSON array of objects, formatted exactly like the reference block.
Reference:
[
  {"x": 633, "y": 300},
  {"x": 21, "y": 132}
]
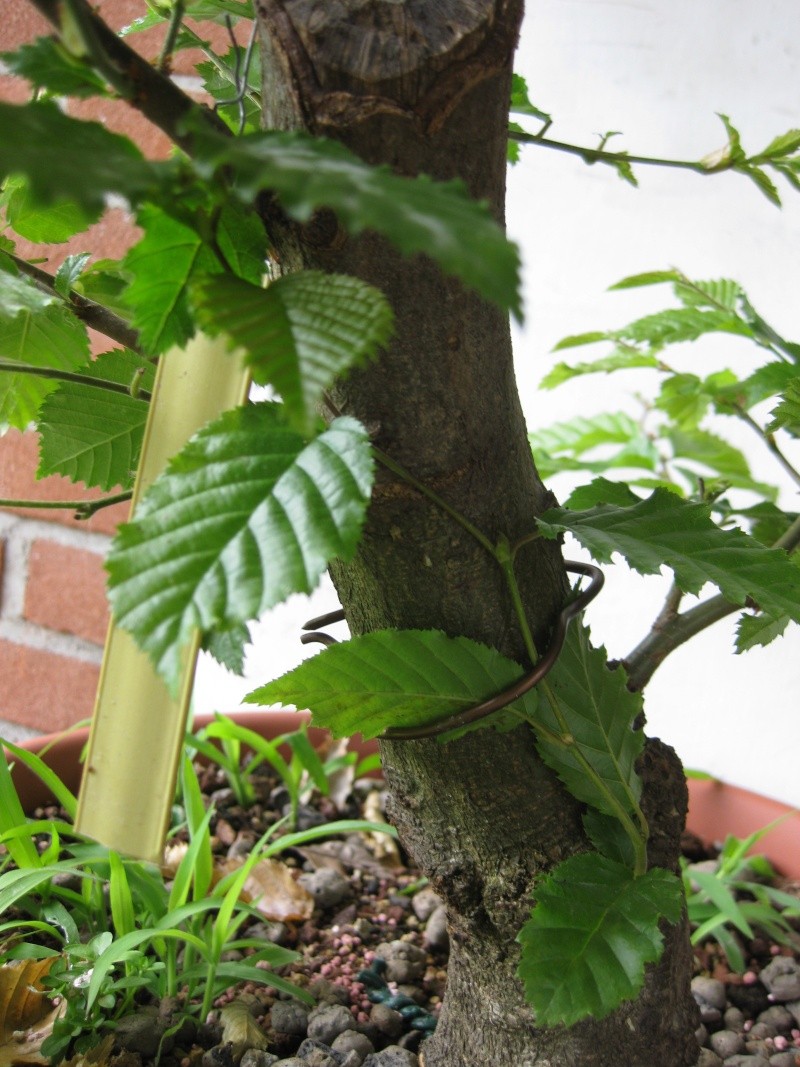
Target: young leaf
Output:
[
  {"x": 592, "y": 711},
  {"x": 593, "y": 929},
  {"x": 620, "y": 359},
  {"x": 753, "y": 630},
  {"x": 393, "y": 678},
  {"x": 786, "y": 416},
  {"x": 299, "y": 333},
  {"x": 650, "y": 277},
  {"x": 228, "y": 646},
  {"x": 700, "y": 446},
  {"x": 162, "y": 265},
  {"x": 244, "y": 515},
  {"x": 69, "y": 272},
  {"x": 673, "y": 325},
  {"x": 667, "y": 530},
  {"x": 92, "y": 435},
  {"x": 415, "y": 214}
]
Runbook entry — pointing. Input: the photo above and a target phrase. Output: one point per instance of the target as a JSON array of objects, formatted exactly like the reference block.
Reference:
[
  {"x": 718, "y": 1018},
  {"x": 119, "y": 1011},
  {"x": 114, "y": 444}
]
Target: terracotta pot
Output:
[{"x": 715, "y": 808}]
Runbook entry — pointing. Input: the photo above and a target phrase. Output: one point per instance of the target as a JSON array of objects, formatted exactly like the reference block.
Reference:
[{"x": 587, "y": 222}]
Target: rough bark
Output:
[{"x": 424, "y": 87}]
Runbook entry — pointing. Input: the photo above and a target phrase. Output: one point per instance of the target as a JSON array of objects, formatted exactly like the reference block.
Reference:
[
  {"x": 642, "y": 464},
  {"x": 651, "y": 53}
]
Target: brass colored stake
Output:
[{"x": 137, "y": 731}]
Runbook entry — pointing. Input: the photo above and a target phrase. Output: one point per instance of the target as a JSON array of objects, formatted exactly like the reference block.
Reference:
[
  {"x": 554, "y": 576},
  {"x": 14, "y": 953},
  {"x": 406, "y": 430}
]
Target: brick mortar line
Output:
[
  {"x": 29, "y": 529},
  {"x": 31, "y": 635},
  {"x": 16, "y": 732}
]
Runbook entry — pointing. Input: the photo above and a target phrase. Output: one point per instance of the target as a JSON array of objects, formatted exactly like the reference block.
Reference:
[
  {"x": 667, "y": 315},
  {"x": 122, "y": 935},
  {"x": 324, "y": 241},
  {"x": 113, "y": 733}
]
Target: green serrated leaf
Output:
[
  {"x": 625, "y": 171},
  {"x": 244, "y": 515},
  {"x": 69, "y": 272},
  {"x": 590, "y": 935},
  {"x": 609, "y": 838},
  {"x": 415, "y": 214},
  {"x": 393, "y": 678},
  {"x": 786, "y": 416},
  {"x": 601, "y": 491},
  {"x": 700, "y": 446},
  {"x": 162, "y": 265},
  {"x": 575, "y": 340},
  {"x": 620, "y": 359},
  {"x": 92, "y": 435},
  {"x": 48, "y": 65},
  {"x": 228, "y": 647},
  {"x": 650, "y": 277},
  {"x": 521, "y": 101},
  {"x": 665, "y": 530},
  {"x": 582, "y": 434},
  {"x": 681, "y": 324},
  {"x": 243, "y": 241},
  {"x": 300, "y": 333},
  {"x": 764, "y": 183},
  {"x": 67, "y": 160},
  {"x": 592, "y": 711},
  {"x": 19, "y": 295},
  {"x": 720, "y": 293},
  {"x": 785, "y": 144},
  {"x": 51, "y": 337},
  {"x": 42, "y": 223},
  {"x": 754, "y": 630},
  {"x": 683, "y": 398},
  {"x": 766, "y": 382}
]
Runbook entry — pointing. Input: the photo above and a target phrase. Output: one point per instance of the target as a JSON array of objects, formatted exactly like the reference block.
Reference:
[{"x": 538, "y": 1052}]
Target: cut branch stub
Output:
[{"x": 354, "y": 59}]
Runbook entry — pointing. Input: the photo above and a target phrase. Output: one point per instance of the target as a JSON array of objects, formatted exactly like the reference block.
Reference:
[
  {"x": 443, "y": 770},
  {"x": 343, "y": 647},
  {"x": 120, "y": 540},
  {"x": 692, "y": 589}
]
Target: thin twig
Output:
[
  {"x": 70, "y": 376},
  {"x": 95, "y": 315},
  {"x": 601, "y": 155},
  {"x": 642, "y": 663},
  {"x": 84, "y": 509},
  {"x": 771, "y": 444}
]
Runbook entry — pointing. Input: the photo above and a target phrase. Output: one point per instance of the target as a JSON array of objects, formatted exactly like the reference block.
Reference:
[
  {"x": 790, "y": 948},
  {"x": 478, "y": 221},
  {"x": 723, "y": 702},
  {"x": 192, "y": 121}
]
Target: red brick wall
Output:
[{"x": 53, "y": 614}]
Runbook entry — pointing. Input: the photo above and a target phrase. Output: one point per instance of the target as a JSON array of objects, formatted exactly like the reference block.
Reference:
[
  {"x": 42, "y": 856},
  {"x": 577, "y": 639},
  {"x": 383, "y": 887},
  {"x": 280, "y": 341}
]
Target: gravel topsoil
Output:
[{"x": 374, "y": 956}]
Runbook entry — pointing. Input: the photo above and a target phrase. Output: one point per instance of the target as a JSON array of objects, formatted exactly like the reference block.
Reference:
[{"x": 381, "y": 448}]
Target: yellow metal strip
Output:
[{"x": 137, "y": 731}]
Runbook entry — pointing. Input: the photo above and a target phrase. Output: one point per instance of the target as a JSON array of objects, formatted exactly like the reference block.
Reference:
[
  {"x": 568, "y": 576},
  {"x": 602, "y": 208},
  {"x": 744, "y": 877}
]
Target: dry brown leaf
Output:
[
  {"x": 272, "y": 890},
  {"x": 240, "y": 1028},
  {"x": 270, "y": 886},
  {"x": 98, "y": 1056},
  {"x": 27, "y": 1014}
]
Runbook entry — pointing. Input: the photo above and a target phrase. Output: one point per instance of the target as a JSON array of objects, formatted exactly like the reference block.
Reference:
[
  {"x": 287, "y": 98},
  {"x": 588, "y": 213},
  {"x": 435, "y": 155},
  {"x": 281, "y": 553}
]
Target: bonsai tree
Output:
[{"x": 352, "y": 257}]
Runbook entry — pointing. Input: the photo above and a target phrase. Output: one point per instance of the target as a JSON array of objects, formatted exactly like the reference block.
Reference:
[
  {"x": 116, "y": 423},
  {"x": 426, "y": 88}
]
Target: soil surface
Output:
[{"x": 373, "y": 948}]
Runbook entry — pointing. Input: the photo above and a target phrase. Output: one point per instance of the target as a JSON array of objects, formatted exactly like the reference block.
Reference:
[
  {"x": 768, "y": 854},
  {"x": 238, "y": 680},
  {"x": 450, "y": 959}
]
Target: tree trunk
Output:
[{"x": 423, "y": 86}]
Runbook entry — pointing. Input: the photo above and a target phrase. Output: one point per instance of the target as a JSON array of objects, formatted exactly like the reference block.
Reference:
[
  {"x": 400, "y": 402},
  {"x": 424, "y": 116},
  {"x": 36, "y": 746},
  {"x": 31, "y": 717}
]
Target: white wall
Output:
[{"x": 657, "y": 71}]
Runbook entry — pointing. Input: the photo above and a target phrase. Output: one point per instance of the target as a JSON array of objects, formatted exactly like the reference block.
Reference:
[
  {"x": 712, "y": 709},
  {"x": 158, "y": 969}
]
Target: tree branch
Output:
[
  {"x": 642, "y": 663},
  {"x": 137, "y": 81},
  {"x": 93, "y": 314},
  {"x": 602, "y": 155}
]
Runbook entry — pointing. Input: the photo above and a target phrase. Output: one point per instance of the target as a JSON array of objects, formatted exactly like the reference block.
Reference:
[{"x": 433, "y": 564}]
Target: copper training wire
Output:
[{"x": 507, "y": 696}]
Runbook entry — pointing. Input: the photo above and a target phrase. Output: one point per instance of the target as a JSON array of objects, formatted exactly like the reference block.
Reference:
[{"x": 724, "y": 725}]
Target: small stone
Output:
[
  {"x": 733, "y": 1018},
  {"x": 710, "y": 990},
  {"x": 326, "y": 992},
  {"x": 744, "y": 1060},
  {"x": 783, "y": 1059},
  {"x": 317, "y": 1054},
  {"x": 726, "y": 1043},
  {"x": 140, "y": 1033},
  {"x": 781, "y": 977},
  {"x": 425, "y": 903},
  {"x": 307, "y": 817},
  {"x": 327, "y": 886},
  {"x": 436, "y": 935},
  {"x": 327, "y": 1021},
  {"x": 218, "y": 1056},
  {"x": 404, "y": 962},
  {"x": 778, "y": 1017},
  {"x": 353, "y": 1041},
  {"x": 708, "y": 1059},
  {"x": 393, "y": 1056},
  {"x": 289, "y": 1017},
  {"x": 387, "y": 1020},
  {"x": 256, "y": 1057},
  {"x": 793, "y": 1007},
  {"x": 761, "y": 1031}
]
